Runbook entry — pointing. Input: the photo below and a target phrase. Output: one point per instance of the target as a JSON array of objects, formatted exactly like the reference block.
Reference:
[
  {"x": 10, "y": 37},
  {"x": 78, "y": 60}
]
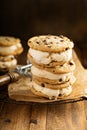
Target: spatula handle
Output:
[{"x": 8, "y": 78}]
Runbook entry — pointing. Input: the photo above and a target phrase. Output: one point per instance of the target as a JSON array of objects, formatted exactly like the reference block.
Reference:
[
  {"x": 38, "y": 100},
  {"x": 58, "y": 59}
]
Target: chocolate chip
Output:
[
  {"x": 53, "y": 97},
  {"x": 49, "y": 46},
  {"x": 71, "y": 63},
  {"x": 66, "y": 49},
  {"x": 12, "y": 58},
  {"x": 44, "y": 41},
  {"x": 68, "y": 80},
  {"x": 29, "y": 41},
  {"x": 37, "y": 42},
  {"x": 60, "y": 80},
  {"x": 43, "y": 85},
  {"x": 61, "y": 65},
  {"x": 61, "y": 40},
  {"x": 60, "y": 95},
  {"x": 48, "y": 64}
]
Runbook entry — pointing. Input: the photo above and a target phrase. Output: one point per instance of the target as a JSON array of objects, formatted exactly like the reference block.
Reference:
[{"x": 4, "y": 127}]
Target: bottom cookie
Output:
[{"x": 50, "y": 93}]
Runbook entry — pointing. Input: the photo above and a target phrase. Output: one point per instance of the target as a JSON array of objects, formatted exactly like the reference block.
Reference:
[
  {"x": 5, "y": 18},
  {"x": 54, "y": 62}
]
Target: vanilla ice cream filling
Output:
[
  {"x": 10, "y": 49},
  {"x": 46, "y": 57},
  {"x": 8, "y": 64},
  {"x": 51, "y": 92},
  {"x": 46, "y": 74}
]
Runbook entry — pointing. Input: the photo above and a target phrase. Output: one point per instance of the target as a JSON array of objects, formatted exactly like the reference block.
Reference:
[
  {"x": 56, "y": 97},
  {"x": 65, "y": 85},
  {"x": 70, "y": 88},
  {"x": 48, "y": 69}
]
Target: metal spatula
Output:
[{"x": 13, "y": 75}]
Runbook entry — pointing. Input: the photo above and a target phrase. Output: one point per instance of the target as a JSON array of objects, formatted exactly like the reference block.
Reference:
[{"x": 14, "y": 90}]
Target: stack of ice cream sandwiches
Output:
[
  {"x": 52, "y": 66},
  {"x": 10, "y": 47}
]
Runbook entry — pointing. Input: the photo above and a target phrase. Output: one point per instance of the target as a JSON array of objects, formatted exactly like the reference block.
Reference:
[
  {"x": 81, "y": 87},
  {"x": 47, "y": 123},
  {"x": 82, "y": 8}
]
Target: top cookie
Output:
[
  {"x": 8, "y": 41},
  {"x": 50, "y": 43}
]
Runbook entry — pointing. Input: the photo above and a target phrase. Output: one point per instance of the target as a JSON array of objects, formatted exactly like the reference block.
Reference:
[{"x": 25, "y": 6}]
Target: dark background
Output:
[{"x": 27, "y": 18}]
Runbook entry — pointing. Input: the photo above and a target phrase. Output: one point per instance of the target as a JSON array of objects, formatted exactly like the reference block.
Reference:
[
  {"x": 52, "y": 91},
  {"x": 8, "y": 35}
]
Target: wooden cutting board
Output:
[{"x": 20, "y": 90}]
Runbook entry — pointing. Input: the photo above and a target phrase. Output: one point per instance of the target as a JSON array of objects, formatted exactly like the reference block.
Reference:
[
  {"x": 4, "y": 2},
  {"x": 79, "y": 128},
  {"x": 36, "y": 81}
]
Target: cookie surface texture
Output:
[
  {"x": 10, "y": 46},
  {"x": 50, "y": 43},
  {"x": 8, "y": 41}
]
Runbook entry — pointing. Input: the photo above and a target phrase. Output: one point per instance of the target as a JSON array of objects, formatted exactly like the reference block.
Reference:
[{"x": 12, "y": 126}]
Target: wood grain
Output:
[
  {"x": 38, "y": 117},
  {"x": 15, "y": 117},
  {"x": 71, "y": 116},
  {"x": 78, "y": 116},
  {"x": 66, "y": 117},
  {"x": 1, "y": 107}
]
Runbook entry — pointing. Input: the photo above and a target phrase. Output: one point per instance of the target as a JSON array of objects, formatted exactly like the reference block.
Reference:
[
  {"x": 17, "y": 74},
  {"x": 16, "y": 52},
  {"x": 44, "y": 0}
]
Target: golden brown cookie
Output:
[
  {"x": 50, "y": 93},
  {"x": 50, "y": 81},
  {"x": 49, "y": 77},
  {"x": 8, "y": 41},
  {"x": 60, "y": 68},
  {"x": 56, "y": 86},
  {"x": 10, "y": 46},
  {"x": 50, "y": 43},
  {"x": 7, "y": 62}
]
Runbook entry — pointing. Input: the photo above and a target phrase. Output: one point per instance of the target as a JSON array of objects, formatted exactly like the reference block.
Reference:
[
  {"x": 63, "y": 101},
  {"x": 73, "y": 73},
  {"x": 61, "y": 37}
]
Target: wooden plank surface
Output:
[
  {"x": 15, "y": 117},
  {"x": 66, "y": 117},
  {"x": 38, "y": 117},
  {"x": 71, "y": 116}
]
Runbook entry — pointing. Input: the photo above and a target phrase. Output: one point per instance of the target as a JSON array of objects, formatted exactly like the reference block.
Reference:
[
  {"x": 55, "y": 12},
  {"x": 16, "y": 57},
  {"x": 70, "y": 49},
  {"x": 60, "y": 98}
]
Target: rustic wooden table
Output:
[{"x": 27, "y": 116}]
